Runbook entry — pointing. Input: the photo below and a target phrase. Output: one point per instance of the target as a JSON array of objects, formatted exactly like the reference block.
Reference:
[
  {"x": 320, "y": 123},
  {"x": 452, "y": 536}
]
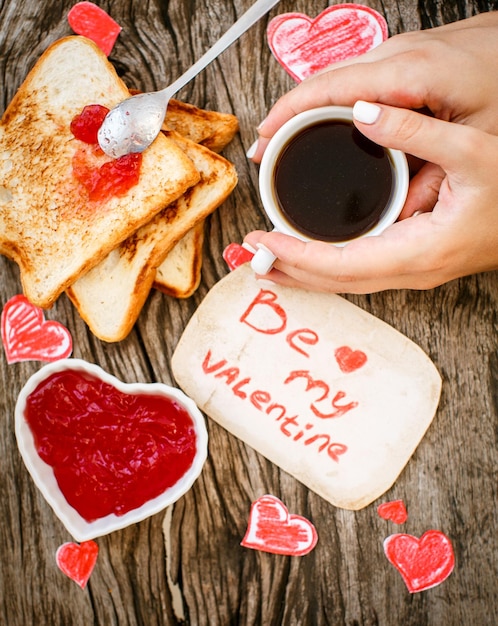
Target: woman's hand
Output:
[
  {"x": 450, "y": 71},
  {"x": 459, "y": 236}
]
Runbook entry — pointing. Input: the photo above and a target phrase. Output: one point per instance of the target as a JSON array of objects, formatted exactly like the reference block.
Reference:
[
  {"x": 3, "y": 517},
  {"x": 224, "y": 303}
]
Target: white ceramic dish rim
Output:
[{"x": 43, "y": 474}]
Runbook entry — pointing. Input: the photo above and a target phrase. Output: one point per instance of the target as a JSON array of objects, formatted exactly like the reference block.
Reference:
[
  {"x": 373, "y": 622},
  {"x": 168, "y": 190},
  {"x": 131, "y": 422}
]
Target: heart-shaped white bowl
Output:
[{"x": 43, "y": 474}]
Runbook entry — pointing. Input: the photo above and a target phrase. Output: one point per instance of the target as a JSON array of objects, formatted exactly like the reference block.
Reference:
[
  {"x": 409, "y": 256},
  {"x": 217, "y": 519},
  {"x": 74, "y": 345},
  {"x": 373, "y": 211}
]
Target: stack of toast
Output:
[{"x": 106, "y": 254}]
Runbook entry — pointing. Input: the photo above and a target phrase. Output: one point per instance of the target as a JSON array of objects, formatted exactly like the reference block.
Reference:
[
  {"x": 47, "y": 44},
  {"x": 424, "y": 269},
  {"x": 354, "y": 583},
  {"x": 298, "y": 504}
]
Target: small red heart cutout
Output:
[
  {"x": 304, "y": 46},
  {"x": 235, "y": 254},
  {"x": 349, "y": 360},
  {"x": 89, "y": 20},
  {"x": 394, "y": 511},
  {"x": 77, "y": 561},
  {"x": 423, "y": 563},
  {"x": 273, "y": 529},
  {"x": 27, "y": 336}
]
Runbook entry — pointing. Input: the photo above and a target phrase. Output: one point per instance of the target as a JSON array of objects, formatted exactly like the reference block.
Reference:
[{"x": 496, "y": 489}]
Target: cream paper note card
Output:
[{"x": 329, "y": 393}]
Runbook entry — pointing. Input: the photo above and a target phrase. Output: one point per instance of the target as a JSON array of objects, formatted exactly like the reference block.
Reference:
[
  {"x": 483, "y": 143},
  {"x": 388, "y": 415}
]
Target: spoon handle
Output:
[{"x": 247, "y": 19}]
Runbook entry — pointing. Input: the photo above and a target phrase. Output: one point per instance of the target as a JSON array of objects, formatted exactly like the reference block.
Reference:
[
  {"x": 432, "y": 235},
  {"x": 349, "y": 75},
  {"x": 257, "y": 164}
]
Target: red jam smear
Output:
[
  {"x": 85, "y": 126},
  {"x": 111, "y": 452},
  {"x": 112, "y": 178}
]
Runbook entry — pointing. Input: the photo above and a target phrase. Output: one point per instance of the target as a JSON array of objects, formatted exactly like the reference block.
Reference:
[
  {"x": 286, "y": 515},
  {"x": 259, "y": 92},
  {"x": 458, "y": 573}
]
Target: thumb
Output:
[{"x": 454, "y": 147}]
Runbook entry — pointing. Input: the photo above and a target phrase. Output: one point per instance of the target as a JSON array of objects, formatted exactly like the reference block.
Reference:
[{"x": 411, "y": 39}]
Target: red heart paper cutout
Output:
[
  {"x": 394, "y": 511},
  {"x": 89, "y": 20},
  {"x": 304, "y": 46},
  {"x": 77, "y": 560},
  {"x": 423, "y": 563},
  {"x": 272, "y": 529},
  {"x": 235, "y": 254},
  {"x": 27, "y": 336},
  {"x": 349, "y": 360}
]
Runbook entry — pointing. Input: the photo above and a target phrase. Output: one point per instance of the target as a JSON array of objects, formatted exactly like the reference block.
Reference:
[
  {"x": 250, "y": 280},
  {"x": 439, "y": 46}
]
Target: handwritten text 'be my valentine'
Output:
[{"x": 297, "y": 428}]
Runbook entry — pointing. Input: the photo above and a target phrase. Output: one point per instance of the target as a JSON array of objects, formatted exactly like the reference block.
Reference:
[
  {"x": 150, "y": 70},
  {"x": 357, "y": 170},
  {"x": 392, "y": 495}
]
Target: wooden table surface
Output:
[{"x": 201, "y": 574}]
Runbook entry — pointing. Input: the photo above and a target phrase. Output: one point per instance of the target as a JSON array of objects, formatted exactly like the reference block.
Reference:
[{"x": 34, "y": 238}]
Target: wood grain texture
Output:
[{"x": 204, "y": 576}]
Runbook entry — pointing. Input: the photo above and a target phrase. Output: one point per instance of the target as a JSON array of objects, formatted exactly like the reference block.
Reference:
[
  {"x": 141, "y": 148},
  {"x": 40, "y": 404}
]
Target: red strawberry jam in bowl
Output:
[{"x": 106, "y": 454}]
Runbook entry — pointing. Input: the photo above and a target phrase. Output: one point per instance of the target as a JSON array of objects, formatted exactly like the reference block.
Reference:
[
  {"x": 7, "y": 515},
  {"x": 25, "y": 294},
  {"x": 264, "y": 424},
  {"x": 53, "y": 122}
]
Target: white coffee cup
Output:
[{"x": 263, "y": 260}]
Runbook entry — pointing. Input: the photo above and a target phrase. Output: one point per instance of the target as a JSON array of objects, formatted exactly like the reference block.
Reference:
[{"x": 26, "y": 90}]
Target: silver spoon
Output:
[{"x": 132, "y": 125}]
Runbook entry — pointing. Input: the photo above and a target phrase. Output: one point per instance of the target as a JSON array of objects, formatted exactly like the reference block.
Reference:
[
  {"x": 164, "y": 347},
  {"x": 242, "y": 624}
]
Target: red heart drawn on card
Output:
[
  {"x": 235, "y": 254},
  {"x": 423, "y": 563},
  {"x": 27, "y": 336},
  {"x": 273, "y": 529},
  {"x": 106, "y": 454},
  {"x": 394, "y": 511},
  {"x": 304, "y": 46},
  {"x": 89, "y": 20},
  {"x": 349, "y": 360},
  {"x": 77, "y": 561}
]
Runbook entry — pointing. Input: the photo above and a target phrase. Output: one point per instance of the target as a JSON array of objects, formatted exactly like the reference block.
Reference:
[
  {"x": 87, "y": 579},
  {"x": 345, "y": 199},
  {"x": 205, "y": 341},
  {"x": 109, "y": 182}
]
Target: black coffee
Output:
[{"x": 332, "y": 183}]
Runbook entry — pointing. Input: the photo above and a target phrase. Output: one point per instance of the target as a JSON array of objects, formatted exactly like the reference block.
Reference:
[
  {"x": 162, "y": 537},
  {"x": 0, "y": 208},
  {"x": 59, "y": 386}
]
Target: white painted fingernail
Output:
[
  {"x": 260, "y": 125},
  {"x": 262, "y": 262},
  {"x": 252, "y": 150},
  {"x": 366, "y": 112},
  {"x": 261, "y": 246},
  {"x": 248, "y": 247}
]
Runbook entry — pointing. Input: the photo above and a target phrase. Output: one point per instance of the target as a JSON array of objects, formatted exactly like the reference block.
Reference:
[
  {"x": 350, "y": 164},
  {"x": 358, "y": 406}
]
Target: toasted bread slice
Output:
[
  {"x": 48, "y": 225},
  {"x": 110, "y": 297},
  {"x": 212, "y": 129},
  {"x": 179, "y": 274}
]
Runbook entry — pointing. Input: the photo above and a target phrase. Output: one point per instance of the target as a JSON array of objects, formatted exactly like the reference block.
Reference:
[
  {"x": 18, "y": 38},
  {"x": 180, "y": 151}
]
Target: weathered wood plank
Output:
[{"x": 205, "y": 575}]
